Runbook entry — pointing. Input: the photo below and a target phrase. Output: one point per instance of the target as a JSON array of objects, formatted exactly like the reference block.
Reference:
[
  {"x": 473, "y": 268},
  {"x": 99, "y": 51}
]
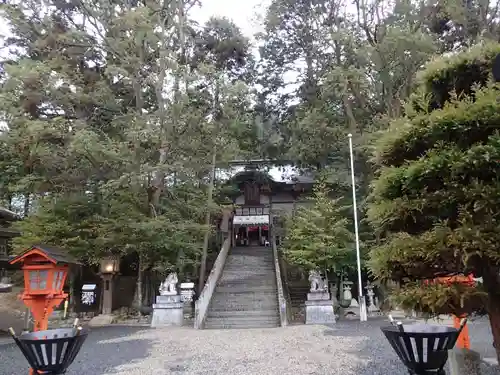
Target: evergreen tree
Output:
[
  {"x": 318, "y": 235},
  {"x": 435, "y": 202}
]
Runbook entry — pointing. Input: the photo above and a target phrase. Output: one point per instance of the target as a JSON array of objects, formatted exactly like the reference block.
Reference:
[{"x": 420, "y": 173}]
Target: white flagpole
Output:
[{"x": 362, "y": 303}]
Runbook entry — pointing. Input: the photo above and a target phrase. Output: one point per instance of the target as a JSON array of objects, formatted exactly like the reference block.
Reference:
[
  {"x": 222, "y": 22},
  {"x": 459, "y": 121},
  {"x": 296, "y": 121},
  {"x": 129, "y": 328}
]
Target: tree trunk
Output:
[
  {"x": 492, "y": 285},
  {"x": 204, "y": 254},
  {"x": 138, "y": 294},
  {"x": 494, "y": 315}
]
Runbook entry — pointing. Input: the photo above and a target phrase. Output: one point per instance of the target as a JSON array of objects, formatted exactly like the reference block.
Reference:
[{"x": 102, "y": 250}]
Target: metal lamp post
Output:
[{"x": 362, "y": 303}]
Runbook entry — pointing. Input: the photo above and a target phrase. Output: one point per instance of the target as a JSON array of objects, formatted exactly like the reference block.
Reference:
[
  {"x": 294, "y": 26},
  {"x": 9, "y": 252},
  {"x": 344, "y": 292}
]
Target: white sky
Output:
[{"x": 244, "y": 13}]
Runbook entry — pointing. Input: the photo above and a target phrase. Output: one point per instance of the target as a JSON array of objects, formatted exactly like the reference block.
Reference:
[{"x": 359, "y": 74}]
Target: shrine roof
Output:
[
  {"x": 55, "y": 254},
  {"x": 8, "y": 214},
  {"x": 264, "y": 177},
  {"x": 8, "y": 233}
]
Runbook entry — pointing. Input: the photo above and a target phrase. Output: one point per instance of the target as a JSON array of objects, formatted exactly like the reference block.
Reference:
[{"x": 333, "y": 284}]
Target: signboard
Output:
[
  {"x": 88, "y": 298},
  {"x": 88, "y": 294},
  {"x": 251, "y": 220}
]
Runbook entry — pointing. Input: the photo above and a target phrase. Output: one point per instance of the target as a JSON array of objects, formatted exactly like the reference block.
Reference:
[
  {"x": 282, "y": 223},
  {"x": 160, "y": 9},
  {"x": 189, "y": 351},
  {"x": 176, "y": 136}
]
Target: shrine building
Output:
[
  {"x": 7, "y": 217},
  {"x": 261, "y": 202}
]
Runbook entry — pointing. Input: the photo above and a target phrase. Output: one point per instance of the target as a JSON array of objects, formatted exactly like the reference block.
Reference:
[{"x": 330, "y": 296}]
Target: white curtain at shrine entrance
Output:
[
  {"x": 251, "y": 220},
  {"x": 249, "y": 223}
]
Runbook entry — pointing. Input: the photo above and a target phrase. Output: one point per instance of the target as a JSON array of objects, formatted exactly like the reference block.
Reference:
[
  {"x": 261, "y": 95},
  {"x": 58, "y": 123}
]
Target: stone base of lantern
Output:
[
  {"x": 168, "y": 311},
  {"x": 319, "y": 309},
  {"x": 374, "y": 311},
  {"x": 464, "y": 362},
  {"x": 353, "y": 310}
]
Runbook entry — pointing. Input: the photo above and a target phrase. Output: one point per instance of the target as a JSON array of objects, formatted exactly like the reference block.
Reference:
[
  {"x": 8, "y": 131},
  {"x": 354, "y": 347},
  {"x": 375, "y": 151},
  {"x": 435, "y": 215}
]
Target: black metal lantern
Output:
[
  {"x": 51, "y": 352},
  {"x": 422, "y": 348}
]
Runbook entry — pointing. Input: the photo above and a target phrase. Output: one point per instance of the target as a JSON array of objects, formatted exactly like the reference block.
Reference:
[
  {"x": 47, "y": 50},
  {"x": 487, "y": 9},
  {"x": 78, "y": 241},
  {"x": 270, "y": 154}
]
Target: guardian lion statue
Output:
[
  {"x": 169, "y": 286},
  {"x": 317, "y": 282}
]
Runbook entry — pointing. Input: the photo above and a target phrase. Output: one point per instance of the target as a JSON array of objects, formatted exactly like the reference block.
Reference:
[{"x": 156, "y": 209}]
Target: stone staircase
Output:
[{"x": 246, "y": 295}]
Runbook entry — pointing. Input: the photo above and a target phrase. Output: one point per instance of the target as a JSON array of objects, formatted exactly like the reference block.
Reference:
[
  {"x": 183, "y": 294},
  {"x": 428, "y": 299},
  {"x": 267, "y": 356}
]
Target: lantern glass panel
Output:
[
  {"x": 57, "y": 280},
  {"x": 38, "y": 279}
]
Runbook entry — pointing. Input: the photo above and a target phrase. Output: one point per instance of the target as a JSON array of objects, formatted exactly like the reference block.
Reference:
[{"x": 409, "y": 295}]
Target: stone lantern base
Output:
[
  {"x": 319, "y": 308},
  {"x": 168, "y": 311}
]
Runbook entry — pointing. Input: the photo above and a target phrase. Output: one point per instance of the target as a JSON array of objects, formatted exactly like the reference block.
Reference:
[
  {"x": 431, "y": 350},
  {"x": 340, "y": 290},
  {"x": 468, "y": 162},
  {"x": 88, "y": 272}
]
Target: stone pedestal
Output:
[
  {"x": 168, "y": 311},
  {"x": 319, "y": 308},
  {"x": 464, "y": 362},
  {"x": 353, "y": 310}
]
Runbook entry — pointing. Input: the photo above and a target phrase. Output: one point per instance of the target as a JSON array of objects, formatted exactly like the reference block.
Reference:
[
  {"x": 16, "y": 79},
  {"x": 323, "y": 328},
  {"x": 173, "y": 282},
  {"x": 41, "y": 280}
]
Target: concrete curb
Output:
[
  {"x": 489, "y": 361},
  {"x": 6, "y": 341}
]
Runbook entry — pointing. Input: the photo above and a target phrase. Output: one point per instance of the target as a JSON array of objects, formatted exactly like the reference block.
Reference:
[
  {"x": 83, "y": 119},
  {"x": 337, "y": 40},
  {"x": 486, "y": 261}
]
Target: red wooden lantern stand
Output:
[
  {"x": 45, "y": 270},
  {"x": 463, "y": 341}
]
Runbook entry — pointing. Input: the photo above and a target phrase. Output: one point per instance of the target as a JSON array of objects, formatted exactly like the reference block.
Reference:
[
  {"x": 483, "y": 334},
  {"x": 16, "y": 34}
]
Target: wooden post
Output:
[{"x": 463, "y": 341}]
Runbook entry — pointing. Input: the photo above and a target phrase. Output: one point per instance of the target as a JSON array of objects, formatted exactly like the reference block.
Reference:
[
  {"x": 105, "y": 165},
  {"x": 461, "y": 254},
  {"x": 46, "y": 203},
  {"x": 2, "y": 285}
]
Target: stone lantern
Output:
[{"x": 109, "y": 267}]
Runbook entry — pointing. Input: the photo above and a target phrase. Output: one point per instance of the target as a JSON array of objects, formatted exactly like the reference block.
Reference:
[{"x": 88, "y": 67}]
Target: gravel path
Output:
[{"x": 348, "y": 348}]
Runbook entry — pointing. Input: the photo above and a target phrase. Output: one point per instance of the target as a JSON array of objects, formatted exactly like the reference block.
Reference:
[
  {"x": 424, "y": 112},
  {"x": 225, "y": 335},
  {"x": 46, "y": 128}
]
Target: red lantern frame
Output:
[
  {"x": 463, "y": 340},
  {"x": 45, "y": 271}
]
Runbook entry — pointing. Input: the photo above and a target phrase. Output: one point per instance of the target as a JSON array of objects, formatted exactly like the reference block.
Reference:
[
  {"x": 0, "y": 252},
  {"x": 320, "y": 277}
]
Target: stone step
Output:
[
  {"x": 248, "y": 261},
  {"x": 246, "y": 279},
  {"x": 255, "y": 284},
  {"x": 246, "y": 289},
  {"x": 250, "y": 264},
  {"x": 258, "y": 303},
  {"x": 243, "y": 325},
  {"x": 254, "y": 280},
  {"x": 244, "y": 274},
  {"x": 253, "y": 257},
  {"x": 246, "y": 293},
  {"x": 243, "y": 318},
  {"x": 252, "y": 254},
  {"x": 243, "y": 313},
  {"x": 243, "y": 321},
  {"x": 241, "y": 306},
  {"x": 249, "y": 269}
]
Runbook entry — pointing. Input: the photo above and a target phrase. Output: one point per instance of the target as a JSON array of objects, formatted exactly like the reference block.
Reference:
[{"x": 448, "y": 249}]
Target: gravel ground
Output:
[{"x": 348, "y": 348}]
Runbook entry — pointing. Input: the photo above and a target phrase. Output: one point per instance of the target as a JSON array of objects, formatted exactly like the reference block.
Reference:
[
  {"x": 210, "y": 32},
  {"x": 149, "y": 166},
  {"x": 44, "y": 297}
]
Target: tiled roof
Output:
[{"x": 8, "y": 214}]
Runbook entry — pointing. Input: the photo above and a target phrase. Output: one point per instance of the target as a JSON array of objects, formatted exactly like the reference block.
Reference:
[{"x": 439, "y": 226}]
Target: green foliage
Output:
[
  {"x": 106, "y": 158},
  {"x": 435, "y": 202},
  {"x": 435, "y": 299},
  {"x": 317, "y": 235},
  {"x": 462, "y": 122},
  {"x": 458, "y": 74}
]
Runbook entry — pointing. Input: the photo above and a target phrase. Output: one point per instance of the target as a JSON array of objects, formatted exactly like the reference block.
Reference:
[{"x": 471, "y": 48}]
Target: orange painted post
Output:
[{"x": 463, "y": 341}]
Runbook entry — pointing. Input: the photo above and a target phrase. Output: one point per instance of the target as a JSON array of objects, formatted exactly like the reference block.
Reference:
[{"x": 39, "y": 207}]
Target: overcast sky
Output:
[{"x": 242, "y": 12}]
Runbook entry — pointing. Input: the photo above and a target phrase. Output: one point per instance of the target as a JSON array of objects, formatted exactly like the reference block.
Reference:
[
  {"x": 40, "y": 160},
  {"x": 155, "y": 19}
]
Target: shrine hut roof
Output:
[
  {"x": 263, "y": 178},
  {"x": 8, "y": 232},
  {"x": 55, "y": 254},
  {"x": 8, "y": 215}
]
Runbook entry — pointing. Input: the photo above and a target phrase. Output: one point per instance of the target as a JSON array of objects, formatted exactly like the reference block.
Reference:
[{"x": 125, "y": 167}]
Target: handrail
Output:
[
  {"x": 281, "y": 297},
  {"x": 286, "y": 290},
  {"x": 203, "y": 301}
]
